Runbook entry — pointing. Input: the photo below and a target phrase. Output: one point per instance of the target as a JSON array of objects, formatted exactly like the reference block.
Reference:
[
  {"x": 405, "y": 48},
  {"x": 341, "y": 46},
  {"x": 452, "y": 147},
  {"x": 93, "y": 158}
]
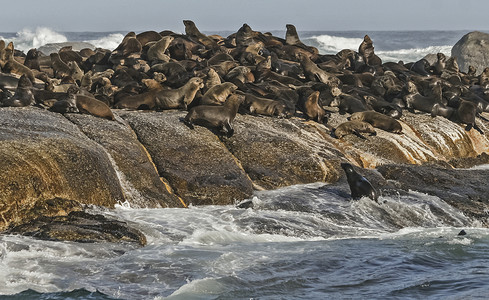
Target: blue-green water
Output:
[{"x": 301, "y": 242}]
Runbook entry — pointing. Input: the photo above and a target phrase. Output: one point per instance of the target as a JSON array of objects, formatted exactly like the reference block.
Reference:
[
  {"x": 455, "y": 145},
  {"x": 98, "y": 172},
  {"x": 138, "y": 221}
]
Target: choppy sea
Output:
[{"x": 300, "y": 242}]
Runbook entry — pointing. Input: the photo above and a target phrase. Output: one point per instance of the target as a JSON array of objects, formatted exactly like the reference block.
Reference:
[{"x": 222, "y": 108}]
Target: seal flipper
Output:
[{"x": 359, "y": 134}]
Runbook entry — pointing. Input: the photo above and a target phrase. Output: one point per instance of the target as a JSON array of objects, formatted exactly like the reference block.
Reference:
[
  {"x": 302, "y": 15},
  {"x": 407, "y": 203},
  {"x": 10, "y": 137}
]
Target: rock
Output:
[
  {"x": 54, "y": 47},
  {"x": 45, "y": 157},
  {"x": 80, "y": 227},
  {"x": 141, "y": 184},
  {"x": 464, "y": 189},
  {"x": 195, "y": 162},
  {"x": 281, "y": 152},
  {"x": 472, "y": 49}
]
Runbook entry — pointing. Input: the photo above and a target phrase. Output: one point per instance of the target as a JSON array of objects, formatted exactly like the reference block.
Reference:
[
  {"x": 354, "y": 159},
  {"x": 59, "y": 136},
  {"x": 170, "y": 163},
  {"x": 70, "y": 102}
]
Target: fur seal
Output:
[
  {"x": 156, "y": 52},
  {"x": 421, "y": 67},
  {"x": 314, "y": 73},
  {"x": 359, "y": 185},
  {"x": 60, "y": 68},
  {"x": 32, "y": 59},
  {"x": 378, "y": 120},
  {"x": 94, "y": 107},
  {"x": 414, "y": 100},
  {"x": 67, "y": 104},
  {"x": 192, "y": 32},
  {"x": 219, "y": 117},
  {"x": 23, "y": 94},
  {"x": 348, "y": 104},
  {"x": 148, "y": 36},
  {"x": 366, "y": 50},
  {"x": 438, "y": 67},
  {"x": 312, "y": 110},
  {"x": 179, "y": 98},
  {"x": 218, "y": 94},
  {"x": 13, "y": 66},
  {"x": 212, "y": 79},
  {"x": 354, "y": 127},
  {"x": 264, "y": 106}
]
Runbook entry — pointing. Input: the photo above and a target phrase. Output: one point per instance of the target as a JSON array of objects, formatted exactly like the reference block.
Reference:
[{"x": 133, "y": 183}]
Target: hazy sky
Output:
[{"x": 262, "y": 15}]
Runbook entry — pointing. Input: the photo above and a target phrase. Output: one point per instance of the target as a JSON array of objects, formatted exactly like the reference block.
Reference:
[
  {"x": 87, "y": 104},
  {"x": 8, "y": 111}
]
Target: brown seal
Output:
[
  {"x": 312, "y": 110},
  {"x": 212, "y": 79},
  {"x": 438, "y": 67},
  {"x": 13, "y": 66},
  {"x": 66, "y": 104},
  {"x": 264, "y": 106},
  {"x": 148, "y": 36},
  {"x": 314, "y": 73},
  {"x": 366, "y": 50},
  {"x": 157, "y": 50},
  {"x": 60, "y": 68},
  {"x": 179, "y": 98},
  {"x": 354, "y": 127},
  {"x": 193, "y": 33},
  {"x": 414, "y": 100},
  {"x": 92, "y": 106},
  {"x": 32, "y": 59},
  {"x": 216, "y": 117},
  {"x": 218, "y": 94},
  {"x": 348, "y": 104},
  {"x": 378, "y": 120},
  {"x": 292, "y": 39},
  {"x": 23, "y": 94}
]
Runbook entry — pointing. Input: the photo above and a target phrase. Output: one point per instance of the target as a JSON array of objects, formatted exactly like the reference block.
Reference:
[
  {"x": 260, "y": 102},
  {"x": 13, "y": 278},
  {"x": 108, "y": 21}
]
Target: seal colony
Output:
[{"x": 249, "y": 72}]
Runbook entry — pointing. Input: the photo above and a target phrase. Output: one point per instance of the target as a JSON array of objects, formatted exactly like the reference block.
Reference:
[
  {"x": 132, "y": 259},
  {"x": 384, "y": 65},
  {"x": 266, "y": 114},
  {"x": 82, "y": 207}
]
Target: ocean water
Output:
[{"x": 300, "y": 242}]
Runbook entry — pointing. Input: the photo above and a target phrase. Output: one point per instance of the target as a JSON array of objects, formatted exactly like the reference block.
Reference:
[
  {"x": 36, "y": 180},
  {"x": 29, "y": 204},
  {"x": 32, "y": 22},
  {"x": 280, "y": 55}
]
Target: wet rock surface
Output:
[
  {"x": 79, "y": 226},
  {"x": 196, "y": 163}
]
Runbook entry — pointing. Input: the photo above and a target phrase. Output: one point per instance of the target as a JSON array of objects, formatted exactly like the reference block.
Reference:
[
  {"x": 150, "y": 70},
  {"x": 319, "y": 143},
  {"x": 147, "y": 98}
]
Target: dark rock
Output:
[
  {"x": 462, "y": 232},
  {"x": 464, "y": 189},
  {"x": 79, "y": 226},
  {"x": 55, "y": 47},
  {"x": 472, "y": 50}
]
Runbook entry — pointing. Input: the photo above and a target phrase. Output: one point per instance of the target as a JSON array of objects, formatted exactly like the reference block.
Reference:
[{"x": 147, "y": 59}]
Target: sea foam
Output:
[{"x": 34, "y": 38}]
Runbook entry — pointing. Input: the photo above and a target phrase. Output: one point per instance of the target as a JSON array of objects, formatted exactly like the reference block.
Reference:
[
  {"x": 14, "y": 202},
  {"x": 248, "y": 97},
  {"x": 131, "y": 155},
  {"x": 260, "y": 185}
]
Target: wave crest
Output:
[{"x": 28, "y": 38}]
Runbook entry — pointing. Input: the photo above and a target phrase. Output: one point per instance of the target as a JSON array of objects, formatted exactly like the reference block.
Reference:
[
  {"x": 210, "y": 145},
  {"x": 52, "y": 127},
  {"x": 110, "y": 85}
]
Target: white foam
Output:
[
  {"x": 34, "y": 38},
  {"x": 109, "y": 42},
  {"x": 329, "y": 44},
  {"x": 412, "y": 55}
]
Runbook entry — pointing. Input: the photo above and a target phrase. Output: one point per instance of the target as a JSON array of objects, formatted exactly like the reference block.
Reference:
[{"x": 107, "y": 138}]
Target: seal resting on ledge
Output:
[{"x": 218, "y": 117}]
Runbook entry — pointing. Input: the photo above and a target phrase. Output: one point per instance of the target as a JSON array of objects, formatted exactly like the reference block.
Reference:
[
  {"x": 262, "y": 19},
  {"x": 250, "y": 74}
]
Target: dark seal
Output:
[{"x": 359, "y": 185}]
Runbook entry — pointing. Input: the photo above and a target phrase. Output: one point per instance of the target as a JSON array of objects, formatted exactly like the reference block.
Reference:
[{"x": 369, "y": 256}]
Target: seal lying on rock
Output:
[
  {"x": 354, "y": 127},
  {"x": 378, "y": 120},
  {"x": 359, "y": 185},
  {"x": 212, "y": 116}
]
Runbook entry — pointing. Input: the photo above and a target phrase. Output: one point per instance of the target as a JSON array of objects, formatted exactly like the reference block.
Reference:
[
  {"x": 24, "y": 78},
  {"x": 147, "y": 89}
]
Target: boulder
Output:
[
  {"x": 472, "y": 49},
  {"x": 45, "y": 157},
  {"x": 195, "y": 162},
  {"x": 142, "y": 186}
]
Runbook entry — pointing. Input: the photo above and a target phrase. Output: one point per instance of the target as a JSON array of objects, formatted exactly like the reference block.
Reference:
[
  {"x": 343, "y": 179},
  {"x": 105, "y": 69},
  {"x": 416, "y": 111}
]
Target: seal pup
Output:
[
  {"x": 359, "y": 185},
  {"x": 218, "y": 117},
  {"x": 378, "y": 120},
  {"x": 354, "y": 127}
]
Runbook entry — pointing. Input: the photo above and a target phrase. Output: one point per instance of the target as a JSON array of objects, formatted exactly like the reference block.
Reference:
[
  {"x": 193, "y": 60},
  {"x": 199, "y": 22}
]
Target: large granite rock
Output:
[
  {"x": 139, "y": 178},
  {"x": 472, "y": 49},
  {"x": 281, "y": 152},
  {"x": 196, "y": 164},
  {"x": 45, "y": 157}
]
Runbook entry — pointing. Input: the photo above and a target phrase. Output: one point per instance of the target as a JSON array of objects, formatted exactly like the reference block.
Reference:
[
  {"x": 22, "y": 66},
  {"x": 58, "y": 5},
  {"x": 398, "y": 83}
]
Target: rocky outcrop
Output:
[
  {"x": 141, "y": 184},
  {"x": 472, "y": 49},
  {"x": 195, "y": 162},
  {"x": 81, "y": 227}
]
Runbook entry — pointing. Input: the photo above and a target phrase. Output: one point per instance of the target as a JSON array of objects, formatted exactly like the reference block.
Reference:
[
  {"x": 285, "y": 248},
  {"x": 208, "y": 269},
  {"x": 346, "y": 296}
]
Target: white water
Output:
[{"x": 211, "y": 251}]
